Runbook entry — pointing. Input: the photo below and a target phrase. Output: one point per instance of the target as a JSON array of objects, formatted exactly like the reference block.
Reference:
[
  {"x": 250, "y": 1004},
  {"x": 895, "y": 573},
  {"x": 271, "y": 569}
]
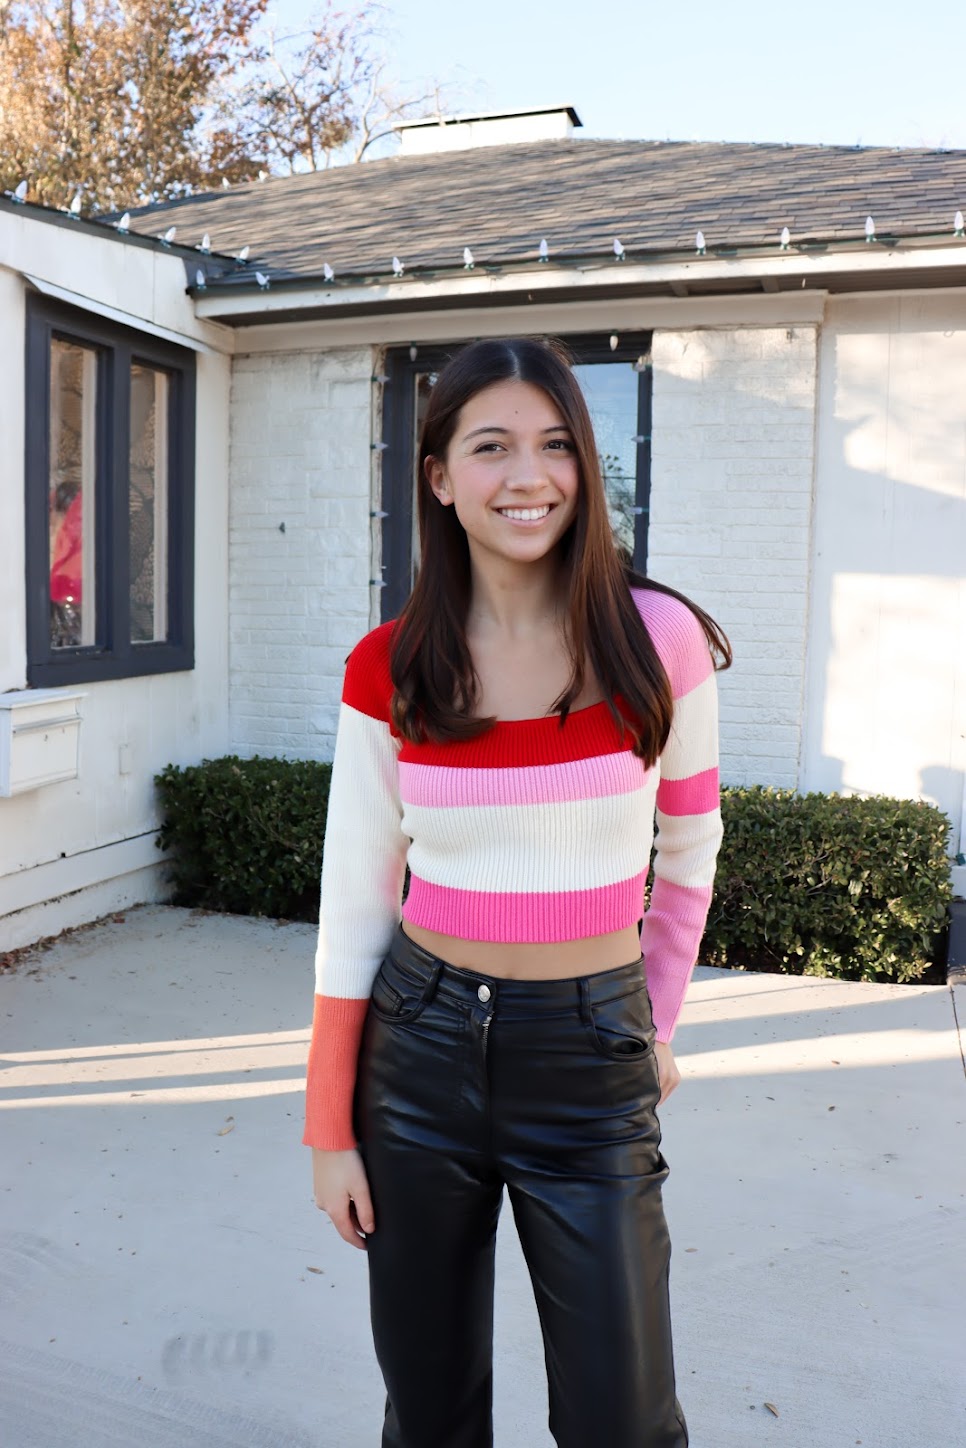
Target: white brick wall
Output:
[
  {"x": 299, "y": 600},
  {"x": 733, "y": 459}
]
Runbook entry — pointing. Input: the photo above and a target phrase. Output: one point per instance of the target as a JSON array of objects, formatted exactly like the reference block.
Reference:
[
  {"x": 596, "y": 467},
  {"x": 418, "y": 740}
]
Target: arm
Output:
[
  {"x": 688, "y": 818},
  {"x": 363, "y": 867}
]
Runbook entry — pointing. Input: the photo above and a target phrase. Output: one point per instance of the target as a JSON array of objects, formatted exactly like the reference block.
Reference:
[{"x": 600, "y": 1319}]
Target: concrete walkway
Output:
[{"x": 167, "y": 1282}]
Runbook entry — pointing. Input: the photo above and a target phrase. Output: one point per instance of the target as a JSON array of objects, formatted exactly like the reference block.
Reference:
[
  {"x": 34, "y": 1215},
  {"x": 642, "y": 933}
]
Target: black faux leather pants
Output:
[{"x": 468, "y": 1083}]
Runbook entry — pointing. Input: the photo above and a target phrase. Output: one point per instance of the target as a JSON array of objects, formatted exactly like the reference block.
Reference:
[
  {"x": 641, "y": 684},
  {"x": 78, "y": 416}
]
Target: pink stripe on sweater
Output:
[
  {"x": 670, "y": 937},
  {"x": 434, "y": 786},
  {"x": 697, "y": 794},
  {"x": 677, "y": 635},
  {"x": 509, "y": 916}
]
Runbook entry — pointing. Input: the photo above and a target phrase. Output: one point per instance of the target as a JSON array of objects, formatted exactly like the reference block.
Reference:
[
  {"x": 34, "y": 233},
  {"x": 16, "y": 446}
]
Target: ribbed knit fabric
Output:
[{"x": 529, "y": 832}]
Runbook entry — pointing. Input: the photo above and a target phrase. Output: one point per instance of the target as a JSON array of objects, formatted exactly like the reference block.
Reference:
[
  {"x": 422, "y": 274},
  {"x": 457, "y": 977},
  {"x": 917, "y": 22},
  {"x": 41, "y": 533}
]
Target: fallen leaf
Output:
[
  {"x": 772, "y": 1409},
  {"x": 225, "y": 1130},
  {"x": 315, "y": 1269},
  {"x": 690, "y": 1249}
]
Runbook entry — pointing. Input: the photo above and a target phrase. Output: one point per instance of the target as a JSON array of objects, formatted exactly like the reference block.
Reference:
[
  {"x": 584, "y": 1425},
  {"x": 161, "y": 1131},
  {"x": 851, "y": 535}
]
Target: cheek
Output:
[
  {"x": 567, "y": 479},
  {"x": 473, "y": 486}
]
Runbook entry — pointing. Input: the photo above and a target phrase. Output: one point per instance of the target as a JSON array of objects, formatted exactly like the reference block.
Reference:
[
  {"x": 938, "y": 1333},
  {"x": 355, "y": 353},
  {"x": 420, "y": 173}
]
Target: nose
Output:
[{"x": 528, "y": 473}]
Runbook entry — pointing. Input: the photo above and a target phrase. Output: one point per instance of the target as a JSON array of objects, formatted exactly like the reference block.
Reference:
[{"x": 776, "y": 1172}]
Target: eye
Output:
[
  {"x": 486, "y": 446},
  {"x": 562, "y": 442}
]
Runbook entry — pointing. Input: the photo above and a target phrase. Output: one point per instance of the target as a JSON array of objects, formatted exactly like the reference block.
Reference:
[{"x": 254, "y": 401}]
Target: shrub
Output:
[
  {"x": 816, "y": 884},
  {"x": 246, "y": 834}
]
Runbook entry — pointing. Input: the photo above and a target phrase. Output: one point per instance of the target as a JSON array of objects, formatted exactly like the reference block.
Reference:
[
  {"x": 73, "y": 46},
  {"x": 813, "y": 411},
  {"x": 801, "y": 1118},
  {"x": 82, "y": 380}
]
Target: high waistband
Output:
[{"x": 462, "y": 985}]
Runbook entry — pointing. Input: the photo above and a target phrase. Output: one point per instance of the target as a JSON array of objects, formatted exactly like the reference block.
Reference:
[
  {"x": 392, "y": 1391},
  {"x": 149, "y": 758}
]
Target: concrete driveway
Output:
[{"x": 167, "y": 1282}]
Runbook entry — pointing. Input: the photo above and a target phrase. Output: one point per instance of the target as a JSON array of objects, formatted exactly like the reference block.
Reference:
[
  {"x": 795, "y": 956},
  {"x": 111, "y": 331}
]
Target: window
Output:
[
  {"x": 110, "y": 499},
  {"x": 617, "y": 385}
]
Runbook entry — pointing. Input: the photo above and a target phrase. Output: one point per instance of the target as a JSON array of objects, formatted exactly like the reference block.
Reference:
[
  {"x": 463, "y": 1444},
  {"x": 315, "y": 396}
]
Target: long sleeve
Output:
[
  {"x": 363, "y": 868},
  {"x": 688, "y": 811}
]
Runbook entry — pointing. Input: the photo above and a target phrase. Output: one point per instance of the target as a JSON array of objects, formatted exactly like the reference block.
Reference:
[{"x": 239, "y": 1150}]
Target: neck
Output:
[{"x": 514, "y": 599}]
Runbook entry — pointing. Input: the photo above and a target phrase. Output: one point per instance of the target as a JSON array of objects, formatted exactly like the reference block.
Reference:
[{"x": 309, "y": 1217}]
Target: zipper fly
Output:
[{"x": 486, "y": 1027}]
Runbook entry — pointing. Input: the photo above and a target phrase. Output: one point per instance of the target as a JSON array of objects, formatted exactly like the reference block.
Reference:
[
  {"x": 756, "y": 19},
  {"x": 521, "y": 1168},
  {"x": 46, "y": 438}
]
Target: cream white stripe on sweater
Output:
[
  {"x": 364, "y": 867},
  {"x": 596, "y": 842}
]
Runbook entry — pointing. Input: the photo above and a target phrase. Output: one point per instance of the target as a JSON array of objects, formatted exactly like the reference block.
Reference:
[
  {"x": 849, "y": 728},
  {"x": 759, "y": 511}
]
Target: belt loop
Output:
[
  {"x": 435, "y": 971},
  {"x": 584, "y": 993}
]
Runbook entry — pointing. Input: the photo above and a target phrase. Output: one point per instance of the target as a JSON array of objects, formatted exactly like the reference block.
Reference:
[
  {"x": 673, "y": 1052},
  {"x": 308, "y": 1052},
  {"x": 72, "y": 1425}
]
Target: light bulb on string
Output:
[
  {"x": 618, "y": 249},
  {"x": 468, "y": 262},
  {"x": 413, "y": 351},
  {"x": 958, "y": 224},
  {"x": 869, "y": 229},
  {"x": 699, "y": 244},
  {"x": 614, "y": 341},
  {"x": 786, "y": 238},
  {"x": 544, "y": 250}
]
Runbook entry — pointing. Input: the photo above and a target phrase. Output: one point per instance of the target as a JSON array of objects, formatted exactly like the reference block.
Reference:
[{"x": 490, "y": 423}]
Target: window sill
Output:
[{"x": 94, "y": 666}]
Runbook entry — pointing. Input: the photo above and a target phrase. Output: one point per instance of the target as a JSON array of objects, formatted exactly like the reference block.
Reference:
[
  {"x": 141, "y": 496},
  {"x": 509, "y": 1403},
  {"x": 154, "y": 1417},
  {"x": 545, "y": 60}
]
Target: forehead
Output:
[{"x": 510, "y": 404}]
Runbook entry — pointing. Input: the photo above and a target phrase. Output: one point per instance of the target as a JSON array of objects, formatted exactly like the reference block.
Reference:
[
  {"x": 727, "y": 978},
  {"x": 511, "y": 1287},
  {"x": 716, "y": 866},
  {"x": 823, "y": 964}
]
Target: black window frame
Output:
[
  {"x": 400, "y": 369},
  {"x": 118, "y": 347}
]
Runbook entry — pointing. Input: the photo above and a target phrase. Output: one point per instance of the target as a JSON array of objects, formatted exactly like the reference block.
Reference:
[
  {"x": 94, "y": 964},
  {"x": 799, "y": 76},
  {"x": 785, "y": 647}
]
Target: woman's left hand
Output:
[{"x": 668, "y": 1072}]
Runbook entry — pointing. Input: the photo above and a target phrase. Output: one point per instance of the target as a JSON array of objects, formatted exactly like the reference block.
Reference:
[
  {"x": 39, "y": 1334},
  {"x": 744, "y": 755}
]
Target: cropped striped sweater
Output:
[{"x": 529, "y": 832}]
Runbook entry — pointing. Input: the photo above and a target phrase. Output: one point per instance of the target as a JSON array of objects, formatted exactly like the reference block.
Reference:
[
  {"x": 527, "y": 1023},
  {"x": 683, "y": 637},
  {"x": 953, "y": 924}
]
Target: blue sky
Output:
[{"x": 828, "y": 71}]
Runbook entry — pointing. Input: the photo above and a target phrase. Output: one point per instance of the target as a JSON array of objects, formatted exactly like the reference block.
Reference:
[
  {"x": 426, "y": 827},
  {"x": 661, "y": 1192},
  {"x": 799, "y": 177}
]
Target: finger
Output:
[
  {"x": 363, "y": 1205},
  {"x": 347, "y": 1229}
]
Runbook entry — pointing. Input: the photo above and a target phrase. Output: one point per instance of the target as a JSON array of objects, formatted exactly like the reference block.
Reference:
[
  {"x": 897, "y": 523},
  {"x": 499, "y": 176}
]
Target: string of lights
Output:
[{"x": 228, "y": 269}]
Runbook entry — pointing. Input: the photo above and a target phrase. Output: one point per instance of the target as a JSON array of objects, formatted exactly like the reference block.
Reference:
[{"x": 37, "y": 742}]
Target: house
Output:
[{"x": 207, "y": 473}]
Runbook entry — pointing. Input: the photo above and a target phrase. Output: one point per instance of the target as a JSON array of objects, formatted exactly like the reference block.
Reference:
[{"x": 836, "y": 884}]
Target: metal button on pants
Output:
[{"x": 469, "y": 1086}]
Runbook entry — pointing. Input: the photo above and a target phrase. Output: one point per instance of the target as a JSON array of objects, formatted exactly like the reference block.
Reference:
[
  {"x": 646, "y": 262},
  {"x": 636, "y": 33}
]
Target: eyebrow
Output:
[{"x": 557, "y": 427}]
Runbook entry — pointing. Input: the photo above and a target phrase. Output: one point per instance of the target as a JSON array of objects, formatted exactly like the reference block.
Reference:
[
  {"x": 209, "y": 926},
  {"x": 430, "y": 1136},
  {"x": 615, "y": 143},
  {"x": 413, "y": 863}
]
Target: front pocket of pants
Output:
[
  {"x": 394, "y": 997},
  {"x": 621, "y": 1029}
]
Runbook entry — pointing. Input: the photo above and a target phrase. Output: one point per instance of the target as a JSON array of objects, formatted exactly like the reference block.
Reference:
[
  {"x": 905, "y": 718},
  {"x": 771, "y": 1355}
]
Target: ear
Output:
[{"x": 437, "y": 479}]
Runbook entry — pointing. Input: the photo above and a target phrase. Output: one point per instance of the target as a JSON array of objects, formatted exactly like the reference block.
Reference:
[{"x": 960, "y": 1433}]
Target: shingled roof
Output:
[{"x": 579, "y": 194}]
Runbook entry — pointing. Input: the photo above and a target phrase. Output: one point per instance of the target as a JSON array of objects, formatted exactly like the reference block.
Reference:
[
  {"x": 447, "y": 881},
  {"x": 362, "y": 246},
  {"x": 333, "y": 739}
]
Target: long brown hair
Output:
[{"x": 435, "y": 684}]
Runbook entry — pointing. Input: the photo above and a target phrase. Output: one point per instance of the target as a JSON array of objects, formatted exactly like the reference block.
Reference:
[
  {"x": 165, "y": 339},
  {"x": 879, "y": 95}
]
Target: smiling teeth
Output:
[{"x": 525, "y": 515}]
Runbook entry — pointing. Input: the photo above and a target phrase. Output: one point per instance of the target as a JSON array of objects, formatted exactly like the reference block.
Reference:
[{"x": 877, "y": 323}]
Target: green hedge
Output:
[
  {"x": 808, "y": 884},
  {"x": 246, "y": 834},
  {"x": 826, "y": 884}
]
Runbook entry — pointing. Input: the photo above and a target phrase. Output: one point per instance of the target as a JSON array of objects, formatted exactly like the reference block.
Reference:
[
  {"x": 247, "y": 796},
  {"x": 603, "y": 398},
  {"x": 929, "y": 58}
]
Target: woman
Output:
[{"x": 510, "y": 737}]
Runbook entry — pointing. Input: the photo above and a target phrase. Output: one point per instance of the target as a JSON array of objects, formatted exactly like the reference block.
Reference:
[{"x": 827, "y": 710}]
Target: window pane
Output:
[
  {"x": 611, "y": 391},
  {"x": 148, "y": 504},
  {"x": 73, "y": 384}
]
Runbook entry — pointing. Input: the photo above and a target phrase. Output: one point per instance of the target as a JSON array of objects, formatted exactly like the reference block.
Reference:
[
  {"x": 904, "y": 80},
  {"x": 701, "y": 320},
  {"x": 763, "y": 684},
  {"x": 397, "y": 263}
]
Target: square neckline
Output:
[{"x": 551, "y": 718}]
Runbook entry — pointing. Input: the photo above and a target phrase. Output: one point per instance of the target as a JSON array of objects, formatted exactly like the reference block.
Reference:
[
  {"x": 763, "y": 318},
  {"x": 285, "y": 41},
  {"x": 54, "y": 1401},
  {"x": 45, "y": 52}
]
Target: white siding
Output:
[
  {"x": 886, "y": 704},
  {"x": 73, "y": 850}
]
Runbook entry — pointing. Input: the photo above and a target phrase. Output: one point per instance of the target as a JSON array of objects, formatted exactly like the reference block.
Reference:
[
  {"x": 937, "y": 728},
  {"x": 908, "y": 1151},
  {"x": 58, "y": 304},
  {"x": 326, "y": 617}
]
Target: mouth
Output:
[{"x": 526, "y": 516}]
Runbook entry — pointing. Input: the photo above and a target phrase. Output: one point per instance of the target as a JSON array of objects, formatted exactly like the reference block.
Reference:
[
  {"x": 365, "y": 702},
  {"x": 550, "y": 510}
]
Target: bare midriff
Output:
[{"x": 554, "y": 961}]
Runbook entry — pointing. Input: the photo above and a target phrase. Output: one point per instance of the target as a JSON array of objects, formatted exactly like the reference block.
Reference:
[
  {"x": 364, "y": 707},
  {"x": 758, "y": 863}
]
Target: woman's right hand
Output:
[{"x": 342, "y": 1190}]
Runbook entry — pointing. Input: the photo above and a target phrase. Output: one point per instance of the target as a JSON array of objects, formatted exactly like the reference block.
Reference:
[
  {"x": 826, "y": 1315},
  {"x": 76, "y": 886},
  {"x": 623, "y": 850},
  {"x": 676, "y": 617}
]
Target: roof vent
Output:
[{"x": 491, "y": 128}]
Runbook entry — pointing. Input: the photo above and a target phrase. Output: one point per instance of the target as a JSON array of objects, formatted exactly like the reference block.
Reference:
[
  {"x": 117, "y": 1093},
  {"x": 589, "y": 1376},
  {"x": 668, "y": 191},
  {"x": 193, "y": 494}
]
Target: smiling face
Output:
[{"x": 510, "y": 472}]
